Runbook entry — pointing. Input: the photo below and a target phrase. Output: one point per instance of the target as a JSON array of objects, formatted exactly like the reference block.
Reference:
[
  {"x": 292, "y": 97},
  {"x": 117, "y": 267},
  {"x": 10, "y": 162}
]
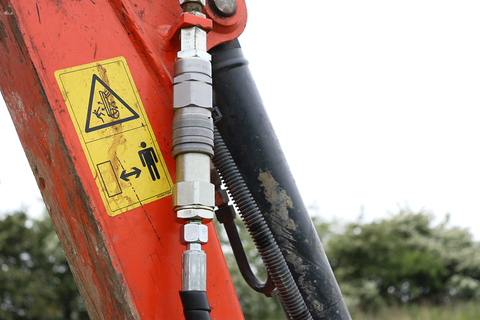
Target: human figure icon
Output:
[
  {"x": 149, "y": 158},
  {"x": 99, "y": 114}
]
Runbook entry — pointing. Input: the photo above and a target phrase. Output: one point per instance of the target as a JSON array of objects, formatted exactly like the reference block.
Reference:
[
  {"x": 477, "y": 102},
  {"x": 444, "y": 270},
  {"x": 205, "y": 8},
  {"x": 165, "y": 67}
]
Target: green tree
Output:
[
  {"x": 35, "y": 280},
  {"x": 405, "y": 258}
]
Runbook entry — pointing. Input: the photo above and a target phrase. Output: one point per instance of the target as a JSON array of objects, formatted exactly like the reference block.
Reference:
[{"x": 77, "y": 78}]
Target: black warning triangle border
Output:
[{"x": 90, "y": 103}]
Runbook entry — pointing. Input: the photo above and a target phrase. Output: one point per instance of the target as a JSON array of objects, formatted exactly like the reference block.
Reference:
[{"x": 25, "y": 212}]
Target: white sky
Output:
[{"x": 376, "y": 104}]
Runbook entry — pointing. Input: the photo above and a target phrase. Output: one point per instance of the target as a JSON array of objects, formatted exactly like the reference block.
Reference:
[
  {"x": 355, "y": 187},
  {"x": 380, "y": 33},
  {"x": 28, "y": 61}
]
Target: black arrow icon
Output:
[{"x": 136, "y": 172}]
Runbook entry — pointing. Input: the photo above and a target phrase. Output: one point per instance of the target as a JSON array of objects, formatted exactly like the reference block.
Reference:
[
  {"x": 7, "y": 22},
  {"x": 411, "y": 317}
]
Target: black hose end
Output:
[
  {"x": 196, "y": 314},
  {"x": 195, "y": 305},
  {"x": 225, "y": 214}
]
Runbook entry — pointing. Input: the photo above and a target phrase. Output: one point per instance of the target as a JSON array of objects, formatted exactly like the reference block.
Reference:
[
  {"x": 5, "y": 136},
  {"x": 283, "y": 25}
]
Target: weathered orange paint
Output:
[
  {"x": 127, "y": 266},
  {"x": 189, "y": 20}
]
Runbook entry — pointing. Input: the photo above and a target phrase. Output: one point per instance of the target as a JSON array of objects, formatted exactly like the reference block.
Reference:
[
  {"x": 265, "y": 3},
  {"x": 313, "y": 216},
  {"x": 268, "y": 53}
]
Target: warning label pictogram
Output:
[
  {"x": 111, "y": 123},
  {"x": 107, "y": 107}
]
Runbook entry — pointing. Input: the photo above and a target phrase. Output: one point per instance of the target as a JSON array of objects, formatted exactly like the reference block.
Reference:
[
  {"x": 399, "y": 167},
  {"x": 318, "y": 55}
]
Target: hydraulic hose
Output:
[
  {"x": 260, "y": 232},
  {"x": 267, "y": 287},
  {"x": 254, "y": 148},
  {"x": 195, "y": 305}
]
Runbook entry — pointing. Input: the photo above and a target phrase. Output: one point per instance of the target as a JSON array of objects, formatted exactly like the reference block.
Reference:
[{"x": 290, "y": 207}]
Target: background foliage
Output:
[
  {"x": 405, "y": 258},
  {"x": 35, "y": 281},
  {"x": 405, "y": 266},
  {"x": 254, "y": 305}
]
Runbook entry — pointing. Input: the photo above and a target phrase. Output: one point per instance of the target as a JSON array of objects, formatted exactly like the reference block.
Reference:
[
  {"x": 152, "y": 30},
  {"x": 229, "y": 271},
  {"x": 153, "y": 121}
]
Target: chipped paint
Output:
[{"x": 3, "y": 36}]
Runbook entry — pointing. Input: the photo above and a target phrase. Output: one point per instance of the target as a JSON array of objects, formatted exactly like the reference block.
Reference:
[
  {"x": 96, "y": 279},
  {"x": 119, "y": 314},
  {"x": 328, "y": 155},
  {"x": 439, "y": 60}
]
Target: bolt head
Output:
[{"x": 225, "y": 7}]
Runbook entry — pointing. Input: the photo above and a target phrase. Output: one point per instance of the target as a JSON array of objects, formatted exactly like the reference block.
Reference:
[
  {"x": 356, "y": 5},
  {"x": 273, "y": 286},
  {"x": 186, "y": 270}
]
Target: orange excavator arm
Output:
[
  {"x": 89, "y": 87},
  {"x": 114, "y": 102}
]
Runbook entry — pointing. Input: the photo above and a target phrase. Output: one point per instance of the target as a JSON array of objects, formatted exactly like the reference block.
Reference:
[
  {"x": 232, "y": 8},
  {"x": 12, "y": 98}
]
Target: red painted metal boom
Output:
[{"x": 89, "y": 87}]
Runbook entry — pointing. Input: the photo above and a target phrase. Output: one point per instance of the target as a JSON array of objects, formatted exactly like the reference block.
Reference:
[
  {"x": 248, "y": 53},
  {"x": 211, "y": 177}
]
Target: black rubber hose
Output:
[
  {"x": 260, "y": 232},
  {"x": 195, "y": 305},
  {"x": 226, "y": 215}
]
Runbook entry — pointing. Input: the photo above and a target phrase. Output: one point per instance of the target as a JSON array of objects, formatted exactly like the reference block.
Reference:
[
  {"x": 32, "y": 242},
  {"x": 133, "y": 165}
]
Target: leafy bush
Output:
[
  {"x": 399, "y": 259},
  {"x": 405, "y": 258},
  {"x": 35, "y": 280},
  {"x": 411, "y": 311}
]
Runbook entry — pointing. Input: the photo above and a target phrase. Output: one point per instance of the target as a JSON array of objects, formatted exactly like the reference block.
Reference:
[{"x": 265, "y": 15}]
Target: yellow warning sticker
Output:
[{"x": 115, "y": 133}]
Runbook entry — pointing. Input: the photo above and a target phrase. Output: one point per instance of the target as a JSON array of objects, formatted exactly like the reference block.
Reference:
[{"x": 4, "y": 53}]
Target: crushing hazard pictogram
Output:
[
  {"x": 115, "y": 133},
  {"x": 106, "y": 106}
]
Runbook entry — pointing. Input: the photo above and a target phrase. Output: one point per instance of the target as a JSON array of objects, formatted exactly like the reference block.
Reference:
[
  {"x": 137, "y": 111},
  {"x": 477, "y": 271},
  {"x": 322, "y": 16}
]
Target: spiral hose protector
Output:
[{"x": 260, "y": 232}]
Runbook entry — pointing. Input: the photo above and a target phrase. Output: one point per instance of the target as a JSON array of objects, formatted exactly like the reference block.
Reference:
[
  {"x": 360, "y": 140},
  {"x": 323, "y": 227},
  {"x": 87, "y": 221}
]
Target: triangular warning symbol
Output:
[{"x": 106, "y": 108}]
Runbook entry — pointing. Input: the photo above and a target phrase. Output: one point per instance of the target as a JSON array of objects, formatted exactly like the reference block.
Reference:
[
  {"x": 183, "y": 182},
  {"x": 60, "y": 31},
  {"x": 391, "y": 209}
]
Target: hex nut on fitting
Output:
[
  {"x": 193, "y": 44},
  {"x": 192, "y": 193},
  {"x": 194, "y": 233},
  {"x": 194, "y": 213},
  {"x": 193, "y": 38},
  {"x": 192, "y": 93}
]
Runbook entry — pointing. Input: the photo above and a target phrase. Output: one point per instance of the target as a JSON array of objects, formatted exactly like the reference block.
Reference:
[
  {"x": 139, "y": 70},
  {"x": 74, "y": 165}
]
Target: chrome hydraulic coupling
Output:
[{"x": 192, "y": 141}]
